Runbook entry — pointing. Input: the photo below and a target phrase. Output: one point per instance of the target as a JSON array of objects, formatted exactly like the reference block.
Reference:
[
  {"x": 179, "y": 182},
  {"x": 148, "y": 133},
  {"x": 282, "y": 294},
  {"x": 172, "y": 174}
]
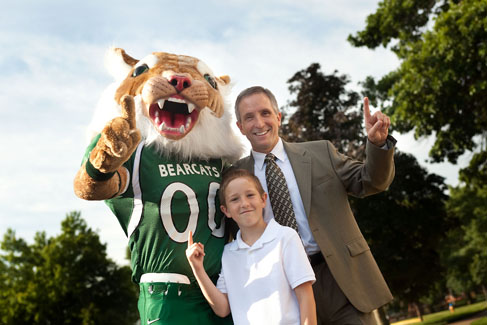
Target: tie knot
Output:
[{"x": 270, "y": 158}]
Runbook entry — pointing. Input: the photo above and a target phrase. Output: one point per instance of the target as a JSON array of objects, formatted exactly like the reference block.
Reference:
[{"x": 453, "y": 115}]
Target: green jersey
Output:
[{"x": 166, "y": 199}]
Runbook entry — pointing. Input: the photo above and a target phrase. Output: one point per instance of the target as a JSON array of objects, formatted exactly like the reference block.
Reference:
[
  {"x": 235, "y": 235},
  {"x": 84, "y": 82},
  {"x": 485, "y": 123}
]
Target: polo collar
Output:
[{"x": 269, "y": 234}]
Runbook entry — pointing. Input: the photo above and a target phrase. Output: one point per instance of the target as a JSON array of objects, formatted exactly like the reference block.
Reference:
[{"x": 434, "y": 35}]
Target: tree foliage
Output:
[
  {"x": 466, "y": 253},
  {"x": 398, "y": 20},
  {"x": 324, "y": 109},
  {"x": 440, "y": 87},
  {"x": 66, "y": 279},
  {"x": 405, "y": 227}
]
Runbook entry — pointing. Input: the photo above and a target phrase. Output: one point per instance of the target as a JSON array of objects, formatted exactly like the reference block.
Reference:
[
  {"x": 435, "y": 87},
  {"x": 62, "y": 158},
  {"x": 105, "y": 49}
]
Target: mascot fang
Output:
[{"x": 157, "y": 162}]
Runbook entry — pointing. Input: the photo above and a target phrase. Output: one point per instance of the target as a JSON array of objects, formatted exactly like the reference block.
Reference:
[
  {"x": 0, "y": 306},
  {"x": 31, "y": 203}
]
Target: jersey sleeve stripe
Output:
[{"x": 138, "y": 204}]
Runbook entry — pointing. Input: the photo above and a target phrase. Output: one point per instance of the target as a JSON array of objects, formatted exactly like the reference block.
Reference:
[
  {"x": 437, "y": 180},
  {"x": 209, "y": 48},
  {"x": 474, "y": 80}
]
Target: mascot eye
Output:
[
  {"x": 210, "y": 80},
  {"x": 140, "y": 70}
]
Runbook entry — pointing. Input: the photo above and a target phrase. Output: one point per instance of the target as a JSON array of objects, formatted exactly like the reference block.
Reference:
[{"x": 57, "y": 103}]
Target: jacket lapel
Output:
[
  {"x": 248, "y": 163},
  {"x": 301, "y": 163}
]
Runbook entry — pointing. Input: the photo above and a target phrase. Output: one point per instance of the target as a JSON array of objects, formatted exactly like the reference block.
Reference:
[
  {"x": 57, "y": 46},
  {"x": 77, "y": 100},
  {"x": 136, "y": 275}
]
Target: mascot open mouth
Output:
[{"x": 173, "y": 117}]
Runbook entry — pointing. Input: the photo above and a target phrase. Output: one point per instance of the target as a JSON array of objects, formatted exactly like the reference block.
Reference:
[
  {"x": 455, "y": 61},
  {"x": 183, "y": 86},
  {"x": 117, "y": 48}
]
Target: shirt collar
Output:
[
  {"x": 278, "y": 151},
  {"x": 270, "y": 233}
]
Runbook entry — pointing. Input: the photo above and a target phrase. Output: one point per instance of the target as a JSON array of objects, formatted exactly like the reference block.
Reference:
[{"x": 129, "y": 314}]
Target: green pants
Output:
[{"x": 174, "y": 304}]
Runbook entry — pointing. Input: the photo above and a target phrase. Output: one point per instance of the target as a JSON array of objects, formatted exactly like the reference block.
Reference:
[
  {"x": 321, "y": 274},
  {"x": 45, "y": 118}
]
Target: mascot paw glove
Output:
[{"x": 118, "y": 139}]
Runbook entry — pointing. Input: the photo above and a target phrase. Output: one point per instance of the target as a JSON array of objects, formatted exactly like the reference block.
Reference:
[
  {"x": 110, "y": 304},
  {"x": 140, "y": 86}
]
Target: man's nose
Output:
[
  {"x": 180, "y": 82},
  {"x": 259, "y": 122}
]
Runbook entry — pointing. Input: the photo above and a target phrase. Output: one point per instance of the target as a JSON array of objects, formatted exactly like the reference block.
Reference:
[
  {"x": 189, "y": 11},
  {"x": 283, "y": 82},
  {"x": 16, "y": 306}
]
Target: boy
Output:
[{"x": 266, "y": 277}]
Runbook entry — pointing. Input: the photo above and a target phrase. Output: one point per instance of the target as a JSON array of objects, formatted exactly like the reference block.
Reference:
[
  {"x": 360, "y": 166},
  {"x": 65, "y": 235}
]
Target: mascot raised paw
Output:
[{"x": 162, "y": 139}]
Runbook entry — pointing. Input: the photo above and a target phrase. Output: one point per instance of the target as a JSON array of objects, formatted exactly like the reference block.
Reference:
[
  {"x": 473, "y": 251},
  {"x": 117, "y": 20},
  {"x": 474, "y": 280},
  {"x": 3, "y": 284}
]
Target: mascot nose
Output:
[{"x": 180, "y": 82}]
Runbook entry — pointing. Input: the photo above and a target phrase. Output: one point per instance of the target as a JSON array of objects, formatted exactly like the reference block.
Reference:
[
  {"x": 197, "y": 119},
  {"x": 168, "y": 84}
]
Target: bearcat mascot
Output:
[{"x": 165, "y": 139}]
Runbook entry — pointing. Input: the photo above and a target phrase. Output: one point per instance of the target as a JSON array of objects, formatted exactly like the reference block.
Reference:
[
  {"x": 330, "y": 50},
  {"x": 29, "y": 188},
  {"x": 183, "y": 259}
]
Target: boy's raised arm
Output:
[
  {"x": 307, "y": 306},
  {"x": 217, "y": 300}
]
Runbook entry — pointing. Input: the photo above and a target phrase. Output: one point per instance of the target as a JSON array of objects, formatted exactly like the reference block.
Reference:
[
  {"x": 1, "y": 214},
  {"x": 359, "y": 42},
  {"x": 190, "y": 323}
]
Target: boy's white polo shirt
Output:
[{"x": 260, "y": 279}]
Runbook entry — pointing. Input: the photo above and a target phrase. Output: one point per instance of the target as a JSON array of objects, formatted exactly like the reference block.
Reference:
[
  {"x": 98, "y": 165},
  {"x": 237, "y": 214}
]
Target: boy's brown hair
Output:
[{"x": 234, "y": 173}]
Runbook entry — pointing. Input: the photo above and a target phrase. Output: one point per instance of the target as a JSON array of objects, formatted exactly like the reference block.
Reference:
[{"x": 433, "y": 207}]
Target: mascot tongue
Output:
[{"x": 174, "y": 116}]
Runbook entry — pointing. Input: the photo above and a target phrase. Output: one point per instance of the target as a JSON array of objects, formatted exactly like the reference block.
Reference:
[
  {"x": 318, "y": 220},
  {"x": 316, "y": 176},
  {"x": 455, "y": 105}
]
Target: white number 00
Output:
[{"x": 166, "y": 216}]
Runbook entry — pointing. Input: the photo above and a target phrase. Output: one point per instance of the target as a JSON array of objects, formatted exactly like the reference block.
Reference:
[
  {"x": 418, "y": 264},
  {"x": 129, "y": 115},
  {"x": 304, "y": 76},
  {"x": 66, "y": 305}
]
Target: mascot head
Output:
[{"x": 180, "y": 104}]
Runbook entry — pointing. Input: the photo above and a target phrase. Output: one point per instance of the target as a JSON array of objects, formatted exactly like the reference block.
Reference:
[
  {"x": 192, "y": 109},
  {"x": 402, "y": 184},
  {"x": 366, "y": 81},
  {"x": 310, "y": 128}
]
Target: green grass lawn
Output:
[
  {"x": 445, "y": 317},
  {"x": 480, "y": 321}
]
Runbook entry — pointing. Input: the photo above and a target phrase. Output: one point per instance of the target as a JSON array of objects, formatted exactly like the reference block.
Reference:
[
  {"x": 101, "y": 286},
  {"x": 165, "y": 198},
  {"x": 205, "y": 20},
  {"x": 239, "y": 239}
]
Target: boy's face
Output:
[{"x": 244, "y": 203}]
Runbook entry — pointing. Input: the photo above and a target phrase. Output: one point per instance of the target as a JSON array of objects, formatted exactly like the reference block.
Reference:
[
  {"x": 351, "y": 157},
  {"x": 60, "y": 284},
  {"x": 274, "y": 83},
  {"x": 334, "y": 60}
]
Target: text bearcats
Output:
[{"x": 188, "y": 169}]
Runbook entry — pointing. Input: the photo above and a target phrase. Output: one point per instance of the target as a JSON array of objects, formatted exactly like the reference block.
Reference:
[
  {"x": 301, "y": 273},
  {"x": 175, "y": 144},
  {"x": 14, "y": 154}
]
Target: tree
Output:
[
  {"x": 466, "y": 253},
  {"x": 413, "y": 206},
  {"x": 324, "y": 109},
  {"x": 66, "y": 279},
  {"x": 440, "y": 87},
  {"x": 405, "y": 227}
]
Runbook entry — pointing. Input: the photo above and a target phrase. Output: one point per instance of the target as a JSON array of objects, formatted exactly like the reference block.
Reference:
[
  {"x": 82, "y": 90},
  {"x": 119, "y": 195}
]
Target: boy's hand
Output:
[{"x": 195, "y": 253}]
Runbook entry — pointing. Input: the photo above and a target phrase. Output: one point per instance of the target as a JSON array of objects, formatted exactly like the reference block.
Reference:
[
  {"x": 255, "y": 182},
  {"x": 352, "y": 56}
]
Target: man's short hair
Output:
[
  {"x": 255, "y": 90},
  {"x": 233, "y": 173}
]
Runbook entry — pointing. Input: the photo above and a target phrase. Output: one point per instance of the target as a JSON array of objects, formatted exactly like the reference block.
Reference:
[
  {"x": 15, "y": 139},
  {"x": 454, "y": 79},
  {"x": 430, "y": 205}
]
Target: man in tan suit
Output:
[{"x": 349, "y": 283}]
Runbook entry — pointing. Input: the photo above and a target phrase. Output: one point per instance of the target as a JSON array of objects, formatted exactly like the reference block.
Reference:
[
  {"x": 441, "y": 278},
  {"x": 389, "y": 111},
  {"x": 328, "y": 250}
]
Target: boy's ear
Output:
[
  {"x": 224, "y": 210},
  {"x": 264, "y": 198}
]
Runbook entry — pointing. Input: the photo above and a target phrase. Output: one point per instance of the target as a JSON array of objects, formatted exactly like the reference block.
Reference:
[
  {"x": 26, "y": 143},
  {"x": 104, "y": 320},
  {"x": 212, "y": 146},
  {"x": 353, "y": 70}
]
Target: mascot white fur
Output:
[{"x": 165, "y": 139}]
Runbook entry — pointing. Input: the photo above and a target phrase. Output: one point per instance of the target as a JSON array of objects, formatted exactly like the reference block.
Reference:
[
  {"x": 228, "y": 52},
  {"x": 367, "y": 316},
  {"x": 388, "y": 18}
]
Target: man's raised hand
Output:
[{"x": 376, "y": 126}]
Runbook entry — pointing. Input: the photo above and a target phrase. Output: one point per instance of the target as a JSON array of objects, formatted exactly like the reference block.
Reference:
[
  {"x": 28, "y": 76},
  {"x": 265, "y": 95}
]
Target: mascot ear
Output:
[
  {"x": 119, "y": 63},
  {"x": 225, "y": 79}
]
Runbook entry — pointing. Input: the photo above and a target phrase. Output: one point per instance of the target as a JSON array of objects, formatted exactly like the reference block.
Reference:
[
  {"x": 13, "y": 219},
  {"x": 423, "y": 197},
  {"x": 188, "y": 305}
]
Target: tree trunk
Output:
[
  {"x": 484, "y": 289},
  {"x": 419, "y": 310},
  {"x": 380, "y": 316}
]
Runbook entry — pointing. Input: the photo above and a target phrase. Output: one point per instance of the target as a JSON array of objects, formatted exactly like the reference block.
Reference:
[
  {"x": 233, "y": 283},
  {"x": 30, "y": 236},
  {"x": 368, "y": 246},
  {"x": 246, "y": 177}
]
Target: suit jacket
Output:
[{"x": 325, "y": 178}]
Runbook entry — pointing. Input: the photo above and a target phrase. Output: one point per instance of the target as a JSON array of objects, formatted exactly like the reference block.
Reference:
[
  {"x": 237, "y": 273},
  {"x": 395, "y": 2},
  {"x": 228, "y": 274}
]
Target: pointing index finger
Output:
[
  {"x": 366, "y": 108},
  {"x": 190, "y": 238},
  {"x": 128, "y": 110}
]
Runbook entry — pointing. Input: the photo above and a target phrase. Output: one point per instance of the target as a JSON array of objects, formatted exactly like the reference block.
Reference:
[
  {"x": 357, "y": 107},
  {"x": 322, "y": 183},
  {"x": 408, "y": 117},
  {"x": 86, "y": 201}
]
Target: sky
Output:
[{"x": 52, "y": 74}]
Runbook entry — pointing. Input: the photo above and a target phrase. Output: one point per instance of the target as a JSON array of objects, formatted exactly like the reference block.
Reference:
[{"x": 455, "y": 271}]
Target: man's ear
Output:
[
  {"x": 224, "y": 210},
  {"x": 239, "y": 125}
]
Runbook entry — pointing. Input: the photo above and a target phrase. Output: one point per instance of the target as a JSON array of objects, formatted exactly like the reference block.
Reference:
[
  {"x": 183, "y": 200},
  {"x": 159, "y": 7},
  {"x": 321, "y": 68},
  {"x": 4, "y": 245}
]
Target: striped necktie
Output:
[{"x": 282, "y": 207}]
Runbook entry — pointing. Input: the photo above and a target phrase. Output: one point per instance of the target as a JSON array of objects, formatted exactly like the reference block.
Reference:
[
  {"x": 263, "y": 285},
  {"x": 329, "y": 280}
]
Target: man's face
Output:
[{"x": 259, "y": 122}]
